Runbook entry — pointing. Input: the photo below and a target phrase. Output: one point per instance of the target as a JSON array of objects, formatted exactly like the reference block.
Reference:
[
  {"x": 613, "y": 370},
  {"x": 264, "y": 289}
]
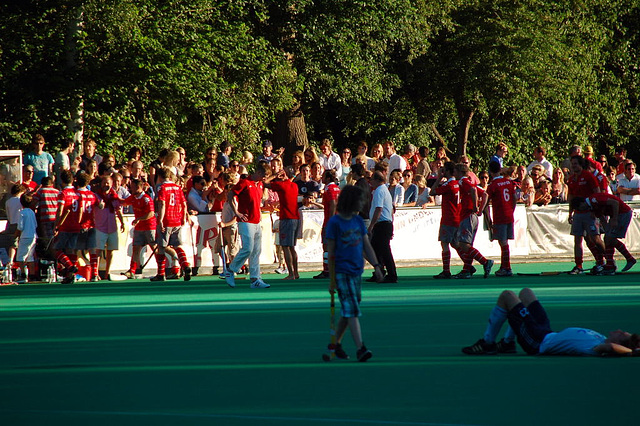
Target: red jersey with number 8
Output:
[
  {"x": 502, "y": 193},
  {"x": 174, "y": 201}
]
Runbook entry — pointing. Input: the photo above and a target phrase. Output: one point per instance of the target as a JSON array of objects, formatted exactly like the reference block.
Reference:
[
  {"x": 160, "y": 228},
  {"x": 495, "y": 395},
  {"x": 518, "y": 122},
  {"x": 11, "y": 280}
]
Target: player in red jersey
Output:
[
  {"x": 329, "y": 202},
  {"x": 470, "y": 200},
  {"x": 619, "y": 214},
  {"x": 582, "y": 184},
  {"x": 46, "y": 200},
  {"x": 172, "y": 214},
  {"x": 502, "y": 194},
  {"x": 446, "y": 185},
  {"x": 287, "y": 192},
  {"x": 144, "y": 232},
  {"x": 87, "y": 238},
  {"x": 68, "y": 227}
]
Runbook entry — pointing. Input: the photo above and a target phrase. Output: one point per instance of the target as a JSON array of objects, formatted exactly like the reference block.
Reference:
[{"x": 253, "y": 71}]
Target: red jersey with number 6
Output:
[
  {"x": 502, "y": 193},
  {"x": 174, "y": 202},
  {"x": 450, "y": 191},
  {"x": 70, "y": 200}
]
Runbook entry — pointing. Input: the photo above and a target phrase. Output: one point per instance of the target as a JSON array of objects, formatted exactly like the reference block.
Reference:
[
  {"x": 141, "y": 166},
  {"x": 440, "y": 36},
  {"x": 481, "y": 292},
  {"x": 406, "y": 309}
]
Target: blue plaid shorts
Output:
[{"x": 350, "y": 294}]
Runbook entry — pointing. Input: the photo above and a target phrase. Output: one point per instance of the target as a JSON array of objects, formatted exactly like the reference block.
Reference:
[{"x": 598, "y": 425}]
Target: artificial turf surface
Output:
[{"x": 197, "y": 353}]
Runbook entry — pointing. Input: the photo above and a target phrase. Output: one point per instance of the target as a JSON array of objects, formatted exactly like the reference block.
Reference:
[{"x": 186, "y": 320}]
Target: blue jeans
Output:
[{"x": 251, "y": 237}]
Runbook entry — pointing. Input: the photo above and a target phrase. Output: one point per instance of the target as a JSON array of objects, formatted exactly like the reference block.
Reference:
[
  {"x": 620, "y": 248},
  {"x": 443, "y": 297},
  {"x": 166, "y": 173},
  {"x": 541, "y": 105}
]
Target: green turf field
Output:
[{"x": 200, "y": 353}]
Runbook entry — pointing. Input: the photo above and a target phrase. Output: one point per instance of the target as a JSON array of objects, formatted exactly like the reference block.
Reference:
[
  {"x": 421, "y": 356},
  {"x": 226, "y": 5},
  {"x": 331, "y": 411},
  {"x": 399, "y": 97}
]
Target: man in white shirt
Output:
[
  {"x": 539, "y": 154},
  {"x": 13, "y": 207},
  {"x": 27, "y": 235},
  {"x": 328, "y": 159},
  {"x": 629, "y": 183},
  {"x": 392, "y": 159},
  {"x": 381, "y": 227}
]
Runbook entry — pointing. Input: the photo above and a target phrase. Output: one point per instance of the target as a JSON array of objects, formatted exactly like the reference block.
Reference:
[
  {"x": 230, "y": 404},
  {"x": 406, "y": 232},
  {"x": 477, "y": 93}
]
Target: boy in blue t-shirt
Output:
[{"x": 347, "y": 241}]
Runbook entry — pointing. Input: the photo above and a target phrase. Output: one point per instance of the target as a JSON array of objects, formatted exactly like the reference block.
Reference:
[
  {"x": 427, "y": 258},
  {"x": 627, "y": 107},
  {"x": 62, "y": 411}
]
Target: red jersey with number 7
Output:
[
  {"x": 70, "y": 200},
  {"x": 450, "y": 191},
  {"x": 174, "y": 202},
  {"x": 502, "y": 193}
]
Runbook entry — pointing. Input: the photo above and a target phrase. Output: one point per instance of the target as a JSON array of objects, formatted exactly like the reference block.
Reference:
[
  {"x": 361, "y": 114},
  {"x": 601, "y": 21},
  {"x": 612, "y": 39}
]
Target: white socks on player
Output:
[{"x": 496, "y": 319}]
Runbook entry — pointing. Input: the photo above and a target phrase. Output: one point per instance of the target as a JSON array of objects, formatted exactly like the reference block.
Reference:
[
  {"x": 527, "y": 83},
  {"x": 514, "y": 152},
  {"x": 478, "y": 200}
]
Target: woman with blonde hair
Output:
[
  {"x": 424, "y": 198},
  {"x": 559, "y": 189},
  {"x": 310, "y": 156},
  {"x": 171, "y": 161},
  {"x": 297, "y": 160},
  {"x": 527, "y": 192},
  {"x": 377, "y": 154}
]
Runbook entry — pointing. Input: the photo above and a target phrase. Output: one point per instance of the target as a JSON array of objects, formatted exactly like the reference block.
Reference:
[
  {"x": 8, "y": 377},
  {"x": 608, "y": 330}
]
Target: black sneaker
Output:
[
  {"x": 340, "y": 353},
  {"x": 194, "y": 271},
  {"x": 503, "y": 347},
  {"x": 173, "y": 276},
  {"x": 462, "y": 275},
  {"x": 371, "y": 279},
  {"x": 472, "y": 270},
  {"x": 215, "y": 271},
  {"x": 576, "y": 271},
  {"x": 321, "y": 275},
  {"x": 480, "y": 348},
  {"x": 363, "y": 354},
  {"x": 389, "y": 279},
  {"x": 487, "y": 268},
  {"x": 187, "y": 273},
  {"x": 158, "y": 278},
  {"x": 443, "y": 276}
]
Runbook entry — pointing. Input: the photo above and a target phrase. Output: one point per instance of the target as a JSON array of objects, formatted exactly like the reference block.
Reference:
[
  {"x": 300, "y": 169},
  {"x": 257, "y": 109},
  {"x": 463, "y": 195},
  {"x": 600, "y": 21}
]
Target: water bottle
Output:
[
  {"x": 51, "y": 275},
  {"x": 26, "y": 274}
]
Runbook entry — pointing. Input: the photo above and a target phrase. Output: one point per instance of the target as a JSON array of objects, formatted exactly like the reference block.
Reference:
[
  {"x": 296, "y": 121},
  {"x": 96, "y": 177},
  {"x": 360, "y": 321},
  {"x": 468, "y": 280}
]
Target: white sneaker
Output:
[
  {"x": 259, "y": 284},
  {"x": 230, "y": 278},
  {"x": 281, "y": 271}
]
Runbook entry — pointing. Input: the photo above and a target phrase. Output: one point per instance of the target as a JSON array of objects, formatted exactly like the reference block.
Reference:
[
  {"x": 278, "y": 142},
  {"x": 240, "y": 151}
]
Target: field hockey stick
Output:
[
  {"x": 537, "y": 274},
  {"x": 153, "y": 252},
  {"x": 223, "y": 256},
  {"x": 193, "y": 245},
  {"x": 57, "y": 231},
  {"x": 331, "y": 353}
]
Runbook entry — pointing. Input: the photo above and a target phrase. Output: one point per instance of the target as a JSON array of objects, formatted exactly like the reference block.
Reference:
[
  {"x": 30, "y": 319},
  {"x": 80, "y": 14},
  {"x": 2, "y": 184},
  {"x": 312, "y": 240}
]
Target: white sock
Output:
[
  {"x": 496, "y": 319},
  {"x": 509, "y": 335}
]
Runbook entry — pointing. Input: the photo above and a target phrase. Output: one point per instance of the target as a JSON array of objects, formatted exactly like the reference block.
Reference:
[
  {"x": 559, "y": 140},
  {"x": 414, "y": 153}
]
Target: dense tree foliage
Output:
[{"x": 464, "y": 73}]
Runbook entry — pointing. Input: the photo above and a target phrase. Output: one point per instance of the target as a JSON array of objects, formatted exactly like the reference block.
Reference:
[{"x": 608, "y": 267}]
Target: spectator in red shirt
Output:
[
  {"x": 287, "y": 192},
  {"x": 249, "y": 195},
  {"x": 27, "y": 179}
]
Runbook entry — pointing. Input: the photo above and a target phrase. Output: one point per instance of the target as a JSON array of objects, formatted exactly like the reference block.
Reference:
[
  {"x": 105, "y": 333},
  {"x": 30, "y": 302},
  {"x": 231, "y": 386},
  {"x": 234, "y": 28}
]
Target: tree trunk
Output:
[
  {"x": 76, "y": 121},
  {"x": 465, "y": 115},
  {"x": 291, "y": 131}
]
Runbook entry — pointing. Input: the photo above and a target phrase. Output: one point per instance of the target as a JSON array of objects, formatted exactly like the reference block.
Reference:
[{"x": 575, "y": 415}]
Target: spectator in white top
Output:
[
  {"x": 629, "y": 183},
  {"x": 13, "y": 207},
  {"x": 370, "y": 163},
  {"x": 330, "y": 160},
  {"x": 381, "y": 227},
  {"x": 539, "y": 154},
  {"x": 394, "y": 161},
  {"x": 27, "y": 234},
  {"x": 396, "y": 189},
  {"x": 63, "y": 160}
]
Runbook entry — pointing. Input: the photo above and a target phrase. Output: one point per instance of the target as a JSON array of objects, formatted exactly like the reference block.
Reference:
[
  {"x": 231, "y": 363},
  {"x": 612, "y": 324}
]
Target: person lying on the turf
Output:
[{"x": 528, "y": 322}]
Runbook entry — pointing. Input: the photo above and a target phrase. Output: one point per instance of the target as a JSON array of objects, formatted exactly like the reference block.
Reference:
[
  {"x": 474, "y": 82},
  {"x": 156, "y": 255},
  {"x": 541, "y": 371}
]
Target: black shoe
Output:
[
  {"x": 187, "y": 273},
  {"x": 194, "y": 271},
  {"x": 480, "y": 348},
  {"x": 372, "y": 279},
  {"x": 503, "y": 347},
  {"x": 158, "y": 278},
  {"x": 487, "y": 268},
  {"x": 215, "y": 271},
  {"x": 340, "y": 353},
  {"x": 173, "y": 276},
  {"x": 472, "y": 270},
  {"x": 138, "y": 271},
  {"x": 462, "y": 275},
  {"x": 442, "y": 276},
  {"x": 321, "y": 275},
  {"x": 390, "y": 279},
  {"x": 363, "y": 354}
]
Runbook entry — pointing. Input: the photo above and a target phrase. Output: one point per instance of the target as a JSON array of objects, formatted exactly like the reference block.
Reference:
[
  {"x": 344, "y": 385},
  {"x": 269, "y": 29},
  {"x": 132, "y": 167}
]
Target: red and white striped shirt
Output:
[{"x": 47, "y": 203}]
